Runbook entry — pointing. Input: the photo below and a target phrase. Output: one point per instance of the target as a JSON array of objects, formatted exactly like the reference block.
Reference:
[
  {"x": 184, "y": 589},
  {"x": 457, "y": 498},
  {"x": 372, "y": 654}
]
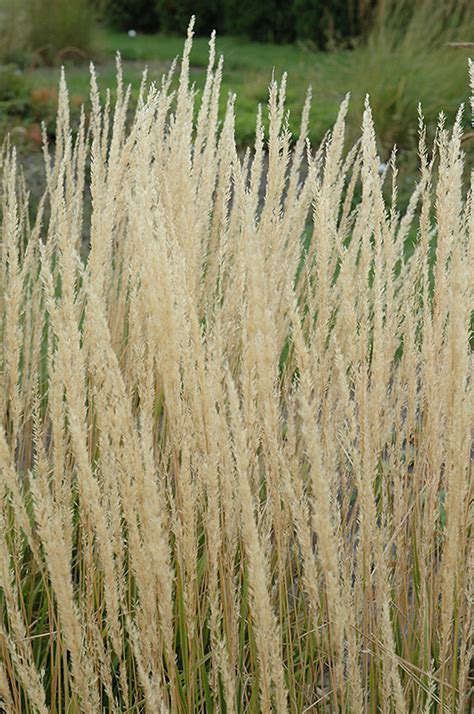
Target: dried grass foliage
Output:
[{"x": 235, "y": 465}]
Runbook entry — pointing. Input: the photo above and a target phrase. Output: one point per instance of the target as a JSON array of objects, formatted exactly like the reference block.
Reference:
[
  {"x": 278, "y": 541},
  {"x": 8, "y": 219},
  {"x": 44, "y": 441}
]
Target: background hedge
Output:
[{"x": 319, "y": 22}]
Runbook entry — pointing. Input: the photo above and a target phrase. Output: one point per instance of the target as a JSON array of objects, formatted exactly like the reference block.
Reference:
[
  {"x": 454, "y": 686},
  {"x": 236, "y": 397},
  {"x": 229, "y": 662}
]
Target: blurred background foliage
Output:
[
  {"x": 397, "y": 51},
  {"x": 321, "y": 22},
  {"x": 324, "y": 24},
  {"x": 49, "y": 27}
]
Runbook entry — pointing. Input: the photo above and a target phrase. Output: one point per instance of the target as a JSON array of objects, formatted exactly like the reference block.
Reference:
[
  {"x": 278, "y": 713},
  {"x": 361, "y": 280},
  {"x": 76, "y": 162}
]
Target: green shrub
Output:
[
  {"x": 174, "y": 15},
  {"x": 271, "y": 21},
  {"x": 131, "y": 14},
  {"x": 12, "y": 30},
  {"x": 60, "y": 28},
  {"x": 320, "y": 22},
  {"x": 13, "y": 90},
  {"x": 316, "y": 21},
  {"x": 46, "y": 31}
]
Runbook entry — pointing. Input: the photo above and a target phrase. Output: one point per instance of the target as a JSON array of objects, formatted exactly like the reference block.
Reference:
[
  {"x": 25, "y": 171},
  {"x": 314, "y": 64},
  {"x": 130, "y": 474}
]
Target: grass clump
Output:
[
  {"x": 47, "y": 31},
  {"x": 234, "y": 451},
  {"x": 405, "y": 60}
]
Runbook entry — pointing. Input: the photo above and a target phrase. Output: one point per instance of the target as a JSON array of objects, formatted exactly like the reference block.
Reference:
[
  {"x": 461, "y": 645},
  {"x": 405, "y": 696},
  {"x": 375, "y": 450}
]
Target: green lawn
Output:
[
  {"x": 247, "y": 72},
  {"x": 248, "y": 69}
]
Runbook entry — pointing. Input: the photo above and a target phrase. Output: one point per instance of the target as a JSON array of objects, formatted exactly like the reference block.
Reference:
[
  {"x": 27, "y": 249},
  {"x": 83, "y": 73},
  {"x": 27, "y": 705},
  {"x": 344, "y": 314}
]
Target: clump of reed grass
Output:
[
  {"x": 235, "y": 444},
  {"x": 406, "y": 59}
]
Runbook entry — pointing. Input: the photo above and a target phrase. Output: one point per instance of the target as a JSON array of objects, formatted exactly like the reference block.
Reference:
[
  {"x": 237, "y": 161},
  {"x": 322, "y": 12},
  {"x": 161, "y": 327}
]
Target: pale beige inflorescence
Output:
[{"x": 236, "y": 415}]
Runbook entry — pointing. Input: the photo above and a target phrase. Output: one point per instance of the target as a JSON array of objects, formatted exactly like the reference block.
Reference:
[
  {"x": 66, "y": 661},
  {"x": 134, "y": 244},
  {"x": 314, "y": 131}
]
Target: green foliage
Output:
[
  {"x": 60, "y": 29},
  {"x": 13, "y": 89},
  {"x": 282, "y": 21},
  {"x": 12, "y": 30},
  {"x": 174, "y": 15},
  {"x": 271, "y": 21},
  {"x": 46, "y": 31},
  {"x": 323, "y": 23},
  {"x": 131, "y": 14},
  {"x": 406, "y": 61}
]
